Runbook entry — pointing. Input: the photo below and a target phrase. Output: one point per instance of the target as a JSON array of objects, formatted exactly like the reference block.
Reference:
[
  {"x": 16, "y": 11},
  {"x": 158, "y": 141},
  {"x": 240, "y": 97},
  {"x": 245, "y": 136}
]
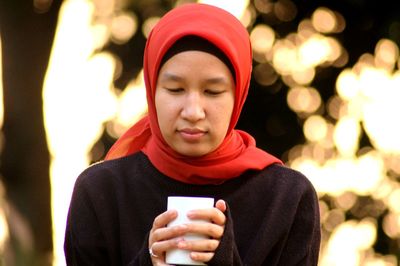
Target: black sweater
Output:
[{"x": 272, "y": 215}]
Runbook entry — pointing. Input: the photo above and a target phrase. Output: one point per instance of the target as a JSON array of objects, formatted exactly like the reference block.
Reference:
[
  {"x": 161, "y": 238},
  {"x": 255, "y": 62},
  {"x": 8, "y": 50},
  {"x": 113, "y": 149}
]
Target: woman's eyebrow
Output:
[
  {"x": 217, "y": 80},
  {"x": 168, "y": 76}
]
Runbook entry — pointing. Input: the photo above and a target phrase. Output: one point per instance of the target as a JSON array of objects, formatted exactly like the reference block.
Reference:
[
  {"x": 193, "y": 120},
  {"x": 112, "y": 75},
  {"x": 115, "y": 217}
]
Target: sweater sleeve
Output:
[
  {"x": 227, "y": 253},
  {"x": 303, "y": 241},
  {"x": 143, "y": 257},
  {"x": 84, "y": 242}
]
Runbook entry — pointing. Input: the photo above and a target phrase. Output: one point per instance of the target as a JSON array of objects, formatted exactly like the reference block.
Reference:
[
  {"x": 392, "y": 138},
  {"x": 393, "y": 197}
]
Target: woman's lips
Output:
[{"x": 191, "y": 135}]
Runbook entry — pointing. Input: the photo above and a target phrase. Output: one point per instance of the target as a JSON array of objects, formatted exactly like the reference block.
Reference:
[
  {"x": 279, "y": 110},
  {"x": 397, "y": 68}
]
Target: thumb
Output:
[{"x": 221, "y": 205}]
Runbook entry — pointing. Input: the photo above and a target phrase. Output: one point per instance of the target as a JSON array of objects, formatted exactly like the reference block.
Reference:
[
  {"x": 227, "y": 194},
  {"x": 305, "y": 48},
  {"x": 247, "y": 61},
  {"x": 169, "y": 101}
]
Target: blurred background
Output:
[{"x": 324, "y": 98}]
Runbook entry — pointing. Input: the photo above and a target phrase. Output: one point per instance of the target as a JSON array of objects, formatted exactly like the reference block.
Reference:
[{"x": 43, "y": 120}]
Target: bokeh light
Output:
[
  {"x": 344, "y": 252},
  {"x": 237, "y": 8},
  {"x": 303, "y": 99},
  {"x": 315, "y": 128},
  {"x": 285, "y": 10},
  {"x": 123, "y": 27},
  {"x": 148, "y": 25},
  {"x": 323, "y": 20},
  {"x": 386, "y": 52},
  {"x": 41, "y": 6},
  {"x": 76, "y": 90},
  {"x": 132, "y": 105},
  {"x": 262, "y": 38}
]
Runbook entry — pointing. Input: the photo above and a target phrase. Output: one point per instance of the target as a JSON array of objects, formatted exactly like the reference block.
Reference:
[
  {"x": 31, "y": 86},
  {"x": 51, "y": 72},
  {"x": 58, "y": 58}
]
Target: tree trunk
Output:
[{"x": 27, "y": 38}]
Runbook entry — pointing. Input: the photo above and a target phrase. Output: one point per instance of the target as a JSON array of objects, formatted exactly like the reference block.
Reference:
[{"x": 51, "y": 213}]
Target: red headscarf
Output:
[{"x": 238, "y": 152}]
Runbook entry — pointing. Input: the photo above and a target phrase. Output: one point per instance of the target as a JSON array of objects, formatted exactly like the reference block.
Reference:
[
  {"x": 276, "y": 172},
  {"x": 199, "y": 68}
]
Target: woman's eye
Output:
[
  {"x": 213, "y": 92},
  {"x": 174, "y": 90}
]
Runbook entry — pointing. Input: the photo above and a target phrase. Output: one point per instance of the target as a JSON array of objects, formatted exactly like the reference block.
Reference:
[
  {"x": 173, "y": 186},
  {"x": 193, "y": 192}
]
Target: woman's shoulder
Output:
[
  {"x": 284, "y": 172},
  {"x": 284, "y": 178},
  {"x": 109, "y": 170}
]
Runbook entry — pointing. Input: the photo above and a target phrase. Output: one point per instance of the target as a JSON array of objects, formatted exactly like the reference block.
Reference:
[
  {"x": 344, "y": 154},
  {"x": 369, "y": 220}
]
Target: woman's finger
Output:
[
  {"x": 206, "y": 245},
  {"x": 159, "y": 248},
  {"x": 209, "y": 229},
  {"x": 221, "y": 205},
  {"x": 202, "y": 256},
  {"x": 164, "y": 218},
  {"x": 166, "y": 233},
  {"x": 214, "y": 215},
  {"x": 160, "y": 222}
]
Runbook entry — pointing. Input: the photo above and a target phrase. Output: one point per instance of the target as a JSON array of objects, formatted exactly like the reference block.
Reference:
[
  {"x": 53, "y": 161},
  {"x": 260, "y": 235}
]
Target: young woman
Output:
[{"x": 197, "y": 67}]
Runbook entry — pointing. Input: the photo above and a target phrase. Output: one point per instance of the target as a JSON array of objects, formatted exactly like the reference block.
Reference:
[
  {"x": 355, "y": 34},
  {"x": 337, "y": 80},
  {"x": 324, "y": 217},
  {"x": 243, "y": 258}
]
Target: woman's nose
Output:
[{"x": 193, "y": 107}]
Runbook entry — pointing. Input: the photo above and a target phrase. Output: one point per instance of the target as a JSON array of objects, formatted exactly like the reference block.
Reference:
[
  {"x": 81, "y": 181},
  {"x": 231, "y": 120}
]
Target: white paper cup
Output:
[{"x": 183, "y": 205}]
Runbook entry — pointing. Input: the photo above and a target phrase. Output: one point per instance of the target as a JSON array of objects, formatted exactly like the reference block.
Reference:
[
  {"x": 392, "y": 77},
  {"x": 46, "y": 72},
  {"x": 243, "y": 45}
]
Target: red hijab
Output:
[{"x": 238, "y": 152}]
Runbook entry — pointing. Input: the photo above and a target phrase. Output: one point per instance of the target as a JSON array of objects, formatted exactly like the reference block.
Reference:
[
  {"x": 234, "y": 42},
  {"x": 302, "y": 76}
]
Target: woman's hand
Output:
[
  {"x": 203, "y": 250},
  {"x": 162, "y": 238}
]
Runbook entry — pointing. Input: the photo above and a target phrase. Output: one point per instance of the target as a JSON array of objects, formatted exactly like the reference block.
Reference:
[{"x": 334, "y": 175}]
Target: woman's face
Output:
[{"x": 194, "y": 102}]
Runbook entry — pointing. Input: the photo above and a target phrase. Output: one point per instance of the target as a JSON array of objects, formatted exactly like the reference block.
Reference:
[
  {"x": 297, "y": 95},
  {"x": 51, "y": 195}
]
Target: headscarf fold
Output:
[{"x": 238, "y": 152}]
